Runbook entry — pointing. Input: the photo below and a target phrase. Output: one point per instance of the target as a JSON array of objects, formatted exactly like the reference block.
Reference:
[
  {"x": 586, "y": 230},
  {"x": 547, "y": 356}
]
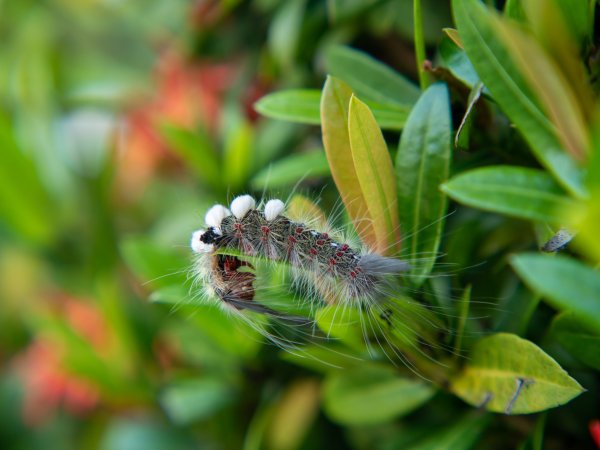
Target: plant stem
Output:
[{"x": 419, "y": 43}]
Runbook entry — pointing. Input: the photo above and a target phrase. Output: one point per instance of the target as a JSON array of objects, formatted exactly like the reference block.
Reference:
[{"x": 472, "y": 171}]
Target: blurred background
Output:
[{"x": 120, "y": 123}]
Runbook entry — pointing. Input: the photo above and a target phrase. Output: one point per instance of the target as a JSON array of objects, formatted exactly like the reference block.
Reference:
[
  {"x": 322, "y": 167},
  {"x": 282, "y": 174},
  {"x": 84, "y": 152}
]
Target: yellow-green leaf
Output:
[
  {"x": 375, "y": 174},
  {"x": 335, "y": 102},
  {"x": 510, "y": 375},
  {"x": 551, "y": 87}
]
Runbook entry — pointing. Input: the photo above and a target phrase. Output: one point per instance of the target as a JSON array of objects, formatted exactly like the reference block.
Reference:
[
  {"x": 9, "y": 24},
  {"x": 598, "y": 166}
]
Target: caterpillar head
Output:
[{"x": 203, "y": 241}]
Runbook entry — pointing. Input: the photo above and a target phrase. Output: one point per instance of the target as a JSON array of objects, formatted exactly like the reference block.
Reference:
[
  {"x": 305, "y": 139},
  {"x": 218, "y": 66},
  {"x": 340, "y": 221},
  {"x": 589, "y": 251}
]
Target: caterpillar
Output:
[
  {"x": 337, "y": 271},
  {"x": 343, "y": 285}
]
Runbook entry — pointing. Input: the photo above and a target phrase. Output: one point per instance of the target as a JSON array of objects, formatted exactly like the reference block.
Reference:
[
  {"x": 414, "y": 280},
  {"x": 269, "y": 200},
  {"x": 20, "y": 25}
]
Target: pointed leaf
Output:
[
  {"x": 456, "y": 60},
  {"x": 452, "y": 33},
  {"x": 294, "y": 105},
  {"x": 375, "y": 175},
  {"x": 516, "y": 191},
  {"x": 461, "y": 140},
  {"x": 422, "y": 165},
  {"x": 511, "y": 375},
  {"x": 491, "y": 57},
  {"x": 565, "y": 283},
  {"x": 303, "y": 106},
  {"x": 335, "y": 102}
]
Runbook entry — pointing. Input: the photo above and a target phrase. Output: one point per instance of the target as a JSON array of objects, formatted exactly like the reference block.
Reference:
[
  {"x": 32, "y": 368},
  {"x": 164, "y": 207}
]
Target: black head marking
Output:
[{"x": 210, "y": 236}]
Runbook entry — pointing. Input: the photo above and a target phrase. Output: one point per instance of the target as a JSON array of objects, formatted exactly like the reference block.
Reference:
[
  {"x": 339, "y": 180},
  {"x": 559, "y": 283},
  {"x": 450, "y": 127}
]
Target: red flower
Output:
[
  {"x": 187, "y": 95},
  {"x": 48, "y": 383},
  {"x": 595, "y": 431},
  {"x": 47, "y": 386}
]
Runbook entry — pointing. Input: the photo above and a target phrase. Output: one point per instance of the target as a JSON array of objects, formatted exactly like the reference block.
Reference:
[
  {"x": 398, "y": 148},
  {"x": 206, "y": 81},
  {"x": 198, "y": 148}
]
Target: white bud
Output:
[
  {"x": 197, "y": 245},
  {"x": 273, "y": 208},
  {"x": 215, "y": 215},
  {"x": 241, "y": 205}
]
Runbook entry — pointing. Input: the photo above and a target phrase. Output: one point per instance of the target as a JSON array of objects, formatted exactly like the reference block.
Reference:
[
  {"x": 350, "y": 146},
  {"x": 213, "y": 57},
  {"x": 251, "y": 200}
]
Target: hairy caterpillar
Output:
[
  {"x": 341, "y": 272},
  {"x": 352, "y": 283}
]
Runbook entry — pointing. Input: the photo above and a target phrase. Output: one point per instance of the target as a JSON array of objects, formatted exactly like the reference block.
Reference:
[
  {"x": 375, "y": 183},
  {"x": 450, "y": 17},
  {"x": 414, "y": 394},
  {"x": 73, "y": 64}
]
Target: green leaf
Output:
[
  {"x": 196, "y": 149},
  {"x": 514, "y": 10},
  {"x": 344, "y": 324},
  {"x": 288, "y": 171},
  {"x": 370, "y": 78},
  {"x": 564, "y": 31},
  {"x": 294, "y": 105},
  {"x": 461, "y": 140},
  {"x": 456, "y": 60},
  {"x": 453, "y": 35},
  {"x": 552, "y": 88},
  {"x": 155, "y": 264},
  {"x": 422, "y": 165},
  {"x": 189, "y": 401},
  {"x": 579, "y": 16},
  {"x": 585, "y": 217},
  {"x": 303, "y": 106},
  {"x": 294, "y": 415},
  {"x": 335, "y": 102},
  {"x": 24, "y": 204},
  {"x": 491, "y": 57},
  {"x": 511, "y": 375},
  {"x": 389, "y": 117},
  {"x": 340, "y": 10},
  {"x": 573, "y": 335},
  {"x": 173, "y": 294},
  {"x": 371, "y": 394},
  {"x": 462, "y": 314},
  {"x": 516, "y": 191},
  {"x": 284, "y": 32},
  {"x": 565, "y": 283},
  {"x": 237, "y": 155},
  {"x": 460, "y": 435},
  {"x": 375, "y": 175}
]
